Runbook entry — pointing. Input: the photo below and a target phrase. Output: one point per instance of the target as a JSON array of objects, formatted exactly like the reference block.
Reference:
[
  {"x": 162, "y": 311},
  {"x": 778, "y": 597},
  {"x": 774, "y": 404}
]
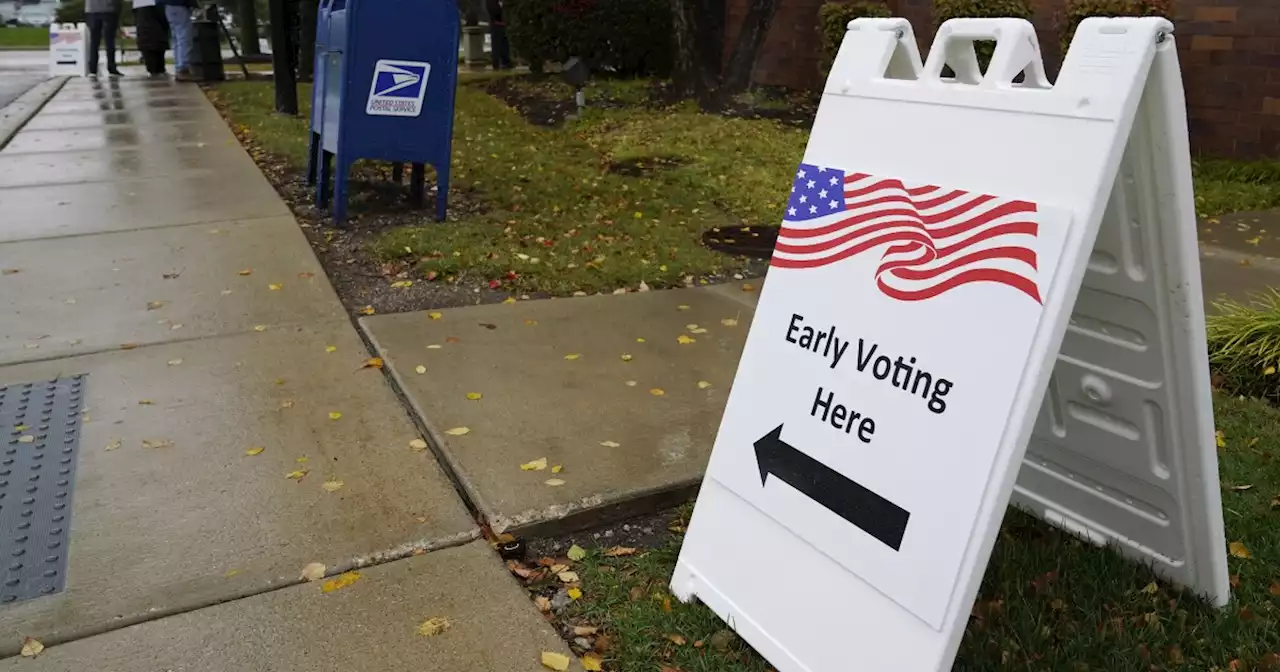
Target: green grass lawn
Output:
[
  {"x": 1048, "y": 601},
  {"x": 619, "y": 197},
  {"x": 24, "y": 37}
]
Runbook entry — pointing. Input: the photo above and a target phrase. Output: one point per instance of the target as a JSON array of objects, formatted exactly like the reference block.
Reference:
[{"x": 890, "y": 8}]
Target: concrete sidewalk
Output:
[{"x": 217, "y": 431}]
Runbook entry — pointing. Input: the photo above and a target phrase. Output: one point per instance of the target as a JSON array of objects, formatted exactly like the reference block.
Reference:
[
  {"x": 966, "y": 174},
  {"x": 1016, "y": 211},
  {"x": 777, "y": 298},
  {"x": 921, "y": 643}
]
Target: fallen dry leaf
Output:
[
  {"x": 557, "y": 469},
  {"x": 26, "y": 438},
  {"x": 340, "y": 581},
  {"x": 568, "y": 576},
  {"x": 572, "y": 356},
  {"x": 256, "y": 450},
  {"x": 334, "y": 415},
  {"x": 114, "y": 444},
  {"x": 1274, "y": 589},
  {"x": 631, "y": 383},
  {"x": 618, "y": 551},
  {"x": 576, "y": 553},
  {"x": 610, "y": 444},
  {"x": 433, "y": 626},
  {"x": 31, "y": 647},
  {"x": 367, "y": 310},
  {"x": 702, "y": 384},
  {"x": 128, "y": 346},
  {"x": 1275, "y": 503},
  {"x": 12, "y": 271},
  {"x": 682, "y": 307},
  {"x": 509, "y": 300},
  {"x": 247, "y": 271},
  {"x": 331, "y": 348},
  {"x": 536, "y": 465},
  {"x": 313, "y": 571},
  {"x": 306, "y": 275},
  {"x": 657, "y": 392},
  {"x": 401, "y": 284},
  {"x": 554, "y": 482},
  {"x": 287, "y": 403},
  {"x": 574, "y": 593},
  {"x": 531, "y": 323},
  {"x": 458, "y": 431},
  {"x": 748, "y": 287},
  {"x": 420, "y": 369},
  {"x": 542, "y": 603},
  {"x": 555, "y": 661},
  {"x": 256, "y": 327},
  {"x": 1242, "y": 488},
  {"x": 297, "y": 475},
  {"x": 591, "y": 663},
  {"x": 434, "y": 347},
  {"x": 678, "y": 640},
  {"x": 145, "y": 402},
  {"x": 418, "y": 445},
  {"x": 157, "y": 443},
  {"x": 332, "y": 486},
  {"x": 274, "y": 287},
  {"x": 474, "y": 396},
  {"x": 626, "y": 357},
  {"x": 584, "y": 630},
  {"x": 1221, "y": 438},
  {"x": 1238, "y": 550},
  {"x": 729, "y": 322},
  {"x": 452, "y": 339},
  {"x": 372, "y": 363},
  {"x": 685, "y": 339},
  {"x": 435, "y": 315},
  {"x": 174, "y": 362},
  {"x": 155, "y": 305}
]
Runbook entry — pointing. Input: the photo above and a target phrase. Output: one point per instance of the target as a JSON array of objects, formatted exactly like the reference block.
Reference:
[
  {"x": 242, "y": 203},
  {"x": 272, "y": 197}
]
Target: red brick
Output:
[
  {"x": 1271, "y": 106},
  {"x": 1215, "y": 13},
  {"x": 1210, "y": 43}
]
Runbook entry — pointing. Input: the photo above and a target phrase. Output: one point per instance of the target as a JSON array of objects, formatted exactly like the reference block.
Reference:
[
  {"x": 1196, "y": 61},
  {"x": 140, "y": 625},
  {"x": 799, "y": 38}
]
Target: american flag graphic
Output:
[
  {"x": 931, "y": 239},
  {"x": 65, "y": 38}
]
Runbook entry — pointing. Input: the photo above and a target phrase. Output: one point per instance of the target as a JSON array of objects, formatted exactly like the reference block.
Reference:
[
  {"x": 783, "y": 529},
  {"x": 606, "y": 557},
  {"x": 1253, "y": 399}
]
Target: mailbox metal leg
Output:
[
  {"x": 397, "y": 173},
  {"x": 442, "y": 191},
  {"x": 313, "y": 149},
  {"x": 322, "y": 180},
  {"x": 417, "y": 184},
  {"x": 342, "y": 170}
]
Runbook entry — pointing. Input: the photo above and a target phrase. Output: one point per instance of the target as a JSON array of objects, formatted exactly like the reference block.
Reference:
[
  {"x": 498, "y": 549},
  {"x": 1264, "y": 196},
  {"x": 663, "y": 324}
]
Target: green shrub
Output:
[
  {"x": 623, "y": 37},
  {"x": 980, "y": 9},
  {"x": 1244, "y": 345},
  {"x": 69, "y": 11},
  {"x": 1079, "y": 10},
  {"x": 833, "y": 22}
]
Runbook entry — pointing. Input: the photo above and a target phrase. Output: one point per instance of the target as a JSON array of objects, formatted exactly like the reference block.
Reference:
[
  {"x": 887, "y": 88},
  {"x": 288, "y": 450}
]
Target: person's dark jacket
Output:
[
  {"x": 494, "y": 8},
  {"x": 177, "y": 3}
]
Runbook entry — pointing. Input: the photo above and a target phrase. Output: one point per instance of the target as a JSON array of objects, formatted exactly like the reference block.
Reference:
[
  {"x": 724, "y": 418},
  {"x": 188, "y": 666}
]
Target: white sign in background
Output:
[{"x": 819, "y": 338}]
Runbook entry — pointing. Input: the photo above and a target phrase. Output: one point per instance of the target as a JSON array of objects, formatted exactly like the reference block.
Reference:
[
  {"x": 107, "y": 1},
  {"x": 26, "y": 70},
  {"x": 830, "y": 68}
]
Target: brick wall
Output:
[{"x": 1229, "y": 51}]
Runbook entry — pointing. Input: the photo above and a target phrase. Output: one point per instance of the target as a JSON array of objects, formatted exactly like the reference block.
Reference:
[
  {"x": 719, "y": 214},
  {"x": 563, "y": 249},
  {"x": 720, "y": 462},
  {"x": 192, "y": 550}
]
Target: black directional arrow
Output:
[{"x": 870, "y": 512}]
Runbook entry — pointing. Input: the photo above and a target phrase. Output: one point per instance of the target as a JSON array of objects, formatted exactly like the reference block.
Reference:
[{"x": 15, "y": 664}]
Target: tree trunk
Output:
[
  {"x": 307, "y": 10},
  {"x": 699, "y": 41},
  {"x": 746, "y": 50},
  {"x": 248, "y": 17}
]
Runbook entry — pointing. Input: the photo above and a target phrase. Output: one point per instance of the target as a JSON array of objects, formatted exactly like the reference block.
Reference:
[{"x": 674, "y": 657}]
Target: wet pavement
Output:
[
  {"x": 19, "y": 71},
  {"x": 231, "y": 434}
]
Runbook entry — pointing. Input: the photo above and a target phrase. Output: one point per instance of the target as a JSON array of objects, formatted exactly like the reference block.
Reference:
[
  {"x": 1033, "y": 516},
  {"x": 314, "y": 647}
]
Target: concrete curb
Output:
[{"x": 16, "y": 115}]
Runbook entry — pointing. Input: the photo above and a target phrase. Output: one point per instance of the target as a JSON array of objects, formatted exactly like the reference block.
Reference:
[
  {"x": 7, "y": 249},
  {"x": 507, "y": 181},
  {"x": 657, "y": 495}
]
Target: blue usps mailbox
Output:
[{"x": 386, "y": 92}]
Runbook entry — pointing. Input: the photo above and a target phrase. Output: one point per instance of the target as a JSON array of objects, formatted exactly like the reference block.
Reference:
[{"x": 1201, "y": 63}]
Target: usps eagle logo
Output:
[
  {"x": 930, "y": 239},
  {"x": 398, "y": 88}
]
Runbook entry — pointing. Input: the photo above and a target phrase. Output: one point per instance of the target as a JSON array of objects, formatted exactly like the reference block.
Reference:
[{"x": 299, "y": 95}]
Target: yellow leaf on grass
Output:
[
  {"x": 555, "y": 661},
  {"x": 729, "y": 322},
  {"x": 31, "y": 647},
  {"x": 334, "y": 415},
  {"x": 474, "y": 396},
  {"x": 574, "y": 593},
  {"x": 367, "y": 310},
  {"x": 247, "y": 271},
  {"x": 619, "y": 551},
  {"x": 1238, "y": 550},
  {"x": 1274, "y": 589},
  {"x": 678, "y": 640},
  {"x": 576, "y": 553},
  {"x": 1269, "y": 371},
  {"x": 273, "y": 287},
  {"x": 401, "y": 284},
  {"x": 591, "y": 663},
  {"x": 1221, "y": 438},
  {"x": 433, "y": 626},
  {"x": 435, "y": 315},
  {"x": 554, "y": 482},
  {"x": 372, "y": 363},
  {"x": 313, "y": 571},
  {"x": 572, "y": 356},
  {"x": 331, "y": 348},
  {"x": 610, "y": 444},
  {"x": 685, "y": 339},
  {"x": 297, "y": 475},
  {"x": 536, "y": 465},
  {"x": 340, "y": 581},
  {"x": 332, "y": 486},
  {"x": 420, "y": 369},
  {"x": 458, "y": 431},
  {"x": 256, "y": 450},
  {"x": 657, "y": 392},
  {"x": 702, "y": 384}
]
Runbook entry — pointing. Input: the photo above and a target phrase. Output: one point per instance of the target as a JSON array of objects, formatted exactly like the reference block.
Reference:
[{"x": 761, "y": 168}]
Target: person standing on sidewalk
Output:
[
  {"x": 178, "y": 13},
  {"x": 500, "y": 50},
  {"x": 103, "y": 17},
  {"x": 153, "y": 35}
]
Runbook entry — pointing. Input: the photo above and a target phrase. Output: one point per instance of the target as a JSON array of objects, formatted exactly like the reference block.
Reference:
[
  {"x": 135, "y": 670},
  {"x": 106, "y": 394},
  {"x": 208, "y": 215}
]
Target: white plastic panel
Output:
[{"x": 1123, "y": 450}]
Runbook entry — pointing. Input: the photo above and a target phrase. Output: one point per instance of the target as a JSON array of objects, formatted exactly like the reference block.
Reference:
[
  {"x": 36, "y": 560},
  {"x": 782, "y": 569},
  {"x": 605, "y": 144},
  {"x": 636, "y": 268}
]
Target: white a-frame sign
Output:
[{"x": 953, "y": 248}]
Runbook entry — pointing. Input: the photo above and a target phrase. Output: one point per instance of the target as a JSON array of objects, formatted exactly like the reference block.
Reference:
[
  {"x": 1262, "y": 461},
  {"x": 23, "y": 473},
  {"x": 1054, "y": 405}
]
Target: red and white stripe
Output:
[{"x": 931, "y": 239}]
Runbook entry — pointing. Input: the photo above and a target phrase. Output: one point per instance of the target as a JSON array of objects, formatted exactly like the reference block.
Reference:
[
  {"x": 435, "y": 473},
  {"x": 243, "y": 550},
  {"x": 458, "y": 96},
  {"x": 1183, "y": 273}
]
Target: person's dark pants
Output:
[
  {"x": 500, "y": 49},
  {"x": 102, "y": 24},
  {"x": 154, "y": 60}
]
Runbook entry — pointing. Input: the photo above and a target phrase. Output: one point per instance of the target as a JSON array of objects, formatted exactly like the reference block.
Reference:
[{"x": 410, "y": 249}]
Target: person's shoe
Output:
[
  {"x": 114, "y": 74},
  {"x": 185, "y": 75},
  {"x": 93, "y": 76}
]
